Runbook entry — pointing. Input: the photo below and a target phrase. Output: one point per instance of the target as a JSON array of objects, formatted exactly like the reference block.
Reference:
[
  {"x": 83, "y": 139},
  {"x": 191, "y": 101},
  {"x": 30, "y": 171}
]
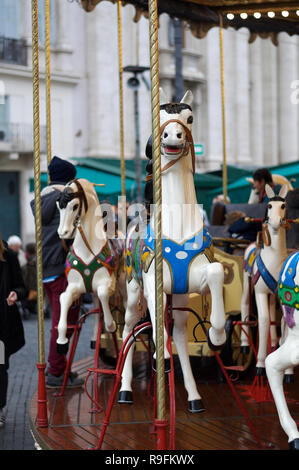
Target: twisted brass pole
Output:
[
  {"x": 42, "y": 418},
  {"x": 154, "y": 63},
  {"x": 224, "y": 167},
  {"x": 48, "y": 83}
]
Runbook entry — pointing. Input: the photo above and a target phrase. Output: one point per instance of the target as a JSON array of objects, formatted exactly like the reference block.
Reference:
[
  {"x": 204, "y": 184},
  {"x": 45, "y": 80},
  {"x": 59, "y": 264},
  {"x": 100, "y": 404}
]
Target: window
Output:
[
  {"x": 41, "y": 21},
  {"x": 4, "y": 119},
  {"x": 10, "y": 18}
]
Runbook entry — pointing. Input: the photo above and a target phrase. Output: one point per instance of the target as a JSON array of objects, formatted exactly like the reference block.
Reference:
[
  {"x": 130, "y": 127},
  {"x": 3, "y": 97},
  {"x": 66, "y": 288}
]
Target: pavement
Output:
[{"x": 22, "y": 382}]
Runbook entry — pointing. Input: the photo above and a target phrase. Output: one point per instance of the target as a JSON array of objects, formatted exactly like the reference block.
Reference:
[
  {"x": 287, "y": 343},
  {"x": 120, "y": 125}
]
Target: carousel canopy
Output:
[{"x": 265, "y": 18}]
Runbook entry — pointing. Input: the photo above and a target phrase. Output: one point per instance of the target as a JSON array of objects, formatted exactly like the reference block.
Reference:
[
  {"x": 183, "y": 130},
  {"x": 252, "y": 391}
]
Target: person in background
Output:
[
  {"x": 29, "y": 276},
  {"x": 15, "y": 243},
  {"x": 54, "y": 257},
  {"x": 12, "y": 339},
  {"x": 261, "y": 177}
]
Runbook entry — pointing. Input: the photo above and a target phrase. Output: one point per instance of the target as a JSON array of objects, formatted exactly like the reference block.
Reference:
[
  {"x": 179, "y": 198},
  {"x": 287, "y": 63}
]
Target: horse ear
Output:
[
  {"x": 187, "y": 98},
  {"x": 283, "y": 191},
  {"x": 163, "y": 97},
  {"x": 269, "y": 191}
]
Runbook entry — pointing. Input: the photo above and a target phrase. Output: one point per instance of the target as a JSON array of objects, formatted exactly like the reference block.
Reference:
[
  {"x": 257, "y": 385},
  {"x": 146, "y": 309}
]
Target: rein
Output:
[{"x": 190, "y": 144}]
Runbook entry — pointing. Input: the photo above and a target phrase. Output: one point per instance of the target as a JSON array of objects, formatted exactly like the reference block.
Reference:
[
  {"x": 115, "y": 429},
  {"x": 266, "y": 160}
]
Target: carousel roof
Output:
[{"x": 265, "y": 18}]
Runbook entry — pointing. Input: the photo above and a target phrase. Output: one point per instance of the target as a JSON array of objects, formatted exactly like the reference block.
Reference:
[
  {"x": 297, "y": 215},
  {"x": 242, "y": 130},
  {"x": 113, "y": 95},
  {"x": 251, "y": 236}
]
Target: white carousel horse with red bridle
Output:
[
  {"x": 261, "y": 271},
  {"x": 188, "y": 263},
  {"x": 93, "y": 262},
  {"x": 287, "y": 355}
]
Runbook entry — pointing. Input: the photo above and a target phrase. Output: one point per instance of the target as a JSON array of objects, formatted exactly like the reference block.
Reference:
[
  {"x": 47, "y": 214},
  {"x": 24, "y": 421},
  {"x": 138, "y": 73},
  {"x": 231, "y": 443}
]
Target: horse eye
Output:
[
  {"x": 75, "y": 207},
  {"x": 269, "y": 206},
  {"x": 190, "y": 120},
  {"x": 283, "y": 206}
]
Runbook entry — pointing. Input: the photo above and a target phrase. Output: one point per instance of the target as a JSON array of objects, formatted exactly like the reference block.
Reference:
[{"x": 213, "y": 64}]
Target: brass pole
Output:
[
  {"x": 42, "y": 419},
  {"x": 224, "y": 167},
  {"x": 48, "y": 84},
  {"x": 121, "y": 102},
  {"x": 122, "y": 207},
  {"x": 154, "y": 63}
]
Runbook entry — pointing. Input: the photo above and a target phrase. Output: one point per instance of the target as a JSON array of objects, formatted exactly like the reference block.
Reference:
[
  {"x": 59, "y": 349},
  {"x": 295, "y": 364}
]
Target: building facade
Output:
[{"x": 262, "y": 112}]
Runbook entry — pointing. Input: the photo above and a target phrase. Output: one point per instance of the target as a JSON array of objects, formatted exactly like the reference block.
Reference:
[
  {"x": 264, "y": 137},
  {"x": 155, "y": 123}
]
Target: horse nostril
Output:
[
  {"x": 165, "y": 135},
  {"x": 179, "y": 135}
]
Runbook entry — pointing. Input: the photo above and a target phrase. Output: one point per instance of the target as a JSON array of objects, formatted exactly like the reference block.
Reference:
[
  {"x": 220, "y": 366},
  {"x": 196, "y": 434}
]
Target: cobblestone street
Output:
[{"x": 16, "y": 435}]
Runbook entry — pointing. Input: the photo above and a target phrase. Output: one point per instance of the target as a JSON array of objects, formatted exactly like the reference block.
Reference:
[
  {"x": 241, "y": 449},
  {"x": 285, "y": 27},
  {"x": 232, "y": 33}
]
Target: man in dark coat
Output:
[
  {"x": 54, "y": 257},
  {"x": 12, "y": 338}
]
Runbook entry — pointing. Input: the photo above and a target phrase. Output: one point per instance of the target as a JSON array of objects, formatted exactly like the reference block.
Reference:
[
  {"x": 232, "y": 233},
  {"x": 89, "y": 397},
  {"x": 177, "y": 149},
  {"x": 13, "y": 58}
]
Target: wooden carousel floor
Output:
[{"x": 221, "y": 427}]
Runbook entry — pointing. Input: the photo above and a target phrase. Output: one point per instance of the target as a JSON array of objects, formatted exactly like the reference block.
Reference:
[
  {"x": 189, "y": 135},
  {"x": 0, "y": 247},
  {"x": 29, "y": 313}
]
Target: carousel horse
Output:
[
  {"x": 287, "y": 355},
  {"x": 261, "y": 271},
  {"x": 93, "y": 263},
  {"x": 188, "y": 257}
]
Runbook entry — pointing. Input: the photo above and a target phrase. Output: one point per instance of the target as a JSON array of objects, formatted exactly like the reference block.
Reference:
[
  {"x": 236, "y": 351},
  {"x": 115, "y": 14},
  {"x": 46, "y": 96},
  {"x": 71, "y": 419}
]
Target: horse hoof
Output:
[
  {"x": 294, "y": 445},
  {"x": 167, "y": 365},
  {"x": 245, "y": 350},
  {"x": 93, "y": 344},
  {"x": 212, "y": 346},
  {"x": 62, "y": 348},
  {"x": 196, "y": 406},
  {"x": 125, "y": 397},
  {"x": 260, "y": 371},
  {"x": 289, "y": 378}
]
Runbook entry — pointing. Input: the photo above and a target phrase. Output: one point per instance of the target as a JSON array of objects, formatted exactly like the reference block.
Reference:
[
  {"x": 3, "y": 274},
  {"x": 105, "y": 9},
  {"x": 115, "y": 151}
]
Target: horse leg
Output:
[
  {"x": 180, "y": 339},
  {"x": 273, "y": 331},
  {"x": 149, "y": 294},
  {"x": 276, "y": 363},
  {"x": 216, "y": 333},
  {"x": 103, "y": 292},
  {"x": 289, "y": 372},
  {"x": 263, "y": 329},
  {"x": 245, "y": 313},
  {"x": 131, "y": 318},
  {"x": 67, "y": 298}
]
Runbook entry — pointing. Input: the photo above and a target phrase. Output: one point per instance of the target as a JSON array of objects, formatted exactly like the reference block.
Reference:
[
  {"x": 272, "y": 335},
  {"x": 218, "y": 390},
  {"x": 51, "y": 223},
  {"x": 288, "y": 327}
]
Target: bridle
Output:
[
  {"x": 66, "y": 197},
  {"x": 189, "y": 144}
]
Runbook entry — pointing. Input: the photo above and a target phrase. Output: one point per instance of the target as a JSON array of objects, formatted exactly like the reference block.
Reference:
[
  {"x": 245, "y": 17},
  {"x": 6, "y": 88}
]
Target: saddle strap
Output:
[
  {"x": 265, "y": 274},
  {"x": 106, "y": 265}
]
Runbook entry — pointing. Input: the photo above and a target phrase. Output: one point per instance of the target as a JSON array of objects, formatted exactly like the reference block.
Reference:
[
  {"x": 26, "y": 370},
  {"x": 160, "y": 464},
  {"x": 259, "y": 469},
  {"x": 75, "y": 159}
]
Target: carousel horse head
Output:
[
  {"x": 73, "y": 205},
  {"x": 275, "y": 216},
  {"x": 176, "y": 139},
  {"x": 176, "y": 124}
]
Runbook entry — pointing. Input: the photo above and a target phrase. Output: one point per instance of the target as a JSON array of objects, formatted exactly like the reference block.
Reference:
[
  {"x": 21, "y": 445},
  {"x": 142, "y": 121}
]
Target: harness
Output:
[
  {"x": 140, "y": 254},
  {"x": 104, "y": 259},
  {"x": 288, "y": 290},
  {"x": 255, "y": 257}
]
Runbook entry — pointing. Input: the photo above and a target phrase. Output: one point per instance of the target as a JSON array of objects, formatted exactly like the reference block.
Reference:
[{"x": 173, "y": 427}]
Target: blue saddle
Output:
[{"x": 179, "y": 256}]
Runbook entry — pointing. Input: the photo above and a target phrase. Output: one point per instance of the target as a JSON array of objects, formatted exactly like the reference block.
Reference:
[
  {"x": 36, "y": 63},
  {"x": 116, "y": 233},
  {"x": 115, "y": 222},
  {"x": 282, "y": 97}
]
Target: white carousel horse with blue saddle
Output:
[
  {"x": 261, "y": 271},
  {"x": 287, "y": 355},
  {"x": 188, "y": 262},
  {"x": 93, "y": 263}
]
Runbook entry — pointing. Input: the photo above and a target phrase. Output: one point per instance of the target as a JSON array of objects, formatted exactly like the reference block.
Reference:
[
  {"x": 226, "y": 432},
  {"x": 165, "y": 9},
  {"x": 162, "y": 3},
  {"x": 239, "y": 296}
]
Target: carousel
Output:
[{"x": 204, "y": 329}]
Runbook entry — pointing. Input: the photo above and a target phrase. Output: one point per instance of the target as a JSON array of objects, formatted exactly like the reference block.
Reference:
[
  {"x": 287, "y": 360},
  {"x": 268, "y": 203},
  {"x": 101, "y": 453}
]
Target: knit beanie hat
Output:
[{"x": 61, "y": 170}]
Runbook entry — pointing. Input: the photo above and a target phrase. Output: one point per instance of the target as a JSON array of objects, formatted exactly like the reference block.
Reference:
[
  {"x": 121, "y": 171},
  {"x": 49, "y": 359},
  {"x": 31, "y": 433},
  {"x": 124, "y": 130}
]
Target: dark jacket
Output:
[
  {"x": 53, "y": 252},
  {"x": 11, "y": 326}
]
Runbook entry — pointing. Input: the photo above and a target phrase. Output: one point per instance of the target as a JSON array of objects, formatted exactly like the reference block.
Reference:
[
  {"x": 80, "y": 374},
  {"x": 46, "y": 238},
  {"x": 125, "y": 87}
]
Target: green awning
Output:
[{"x": 108, "y": 176}]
